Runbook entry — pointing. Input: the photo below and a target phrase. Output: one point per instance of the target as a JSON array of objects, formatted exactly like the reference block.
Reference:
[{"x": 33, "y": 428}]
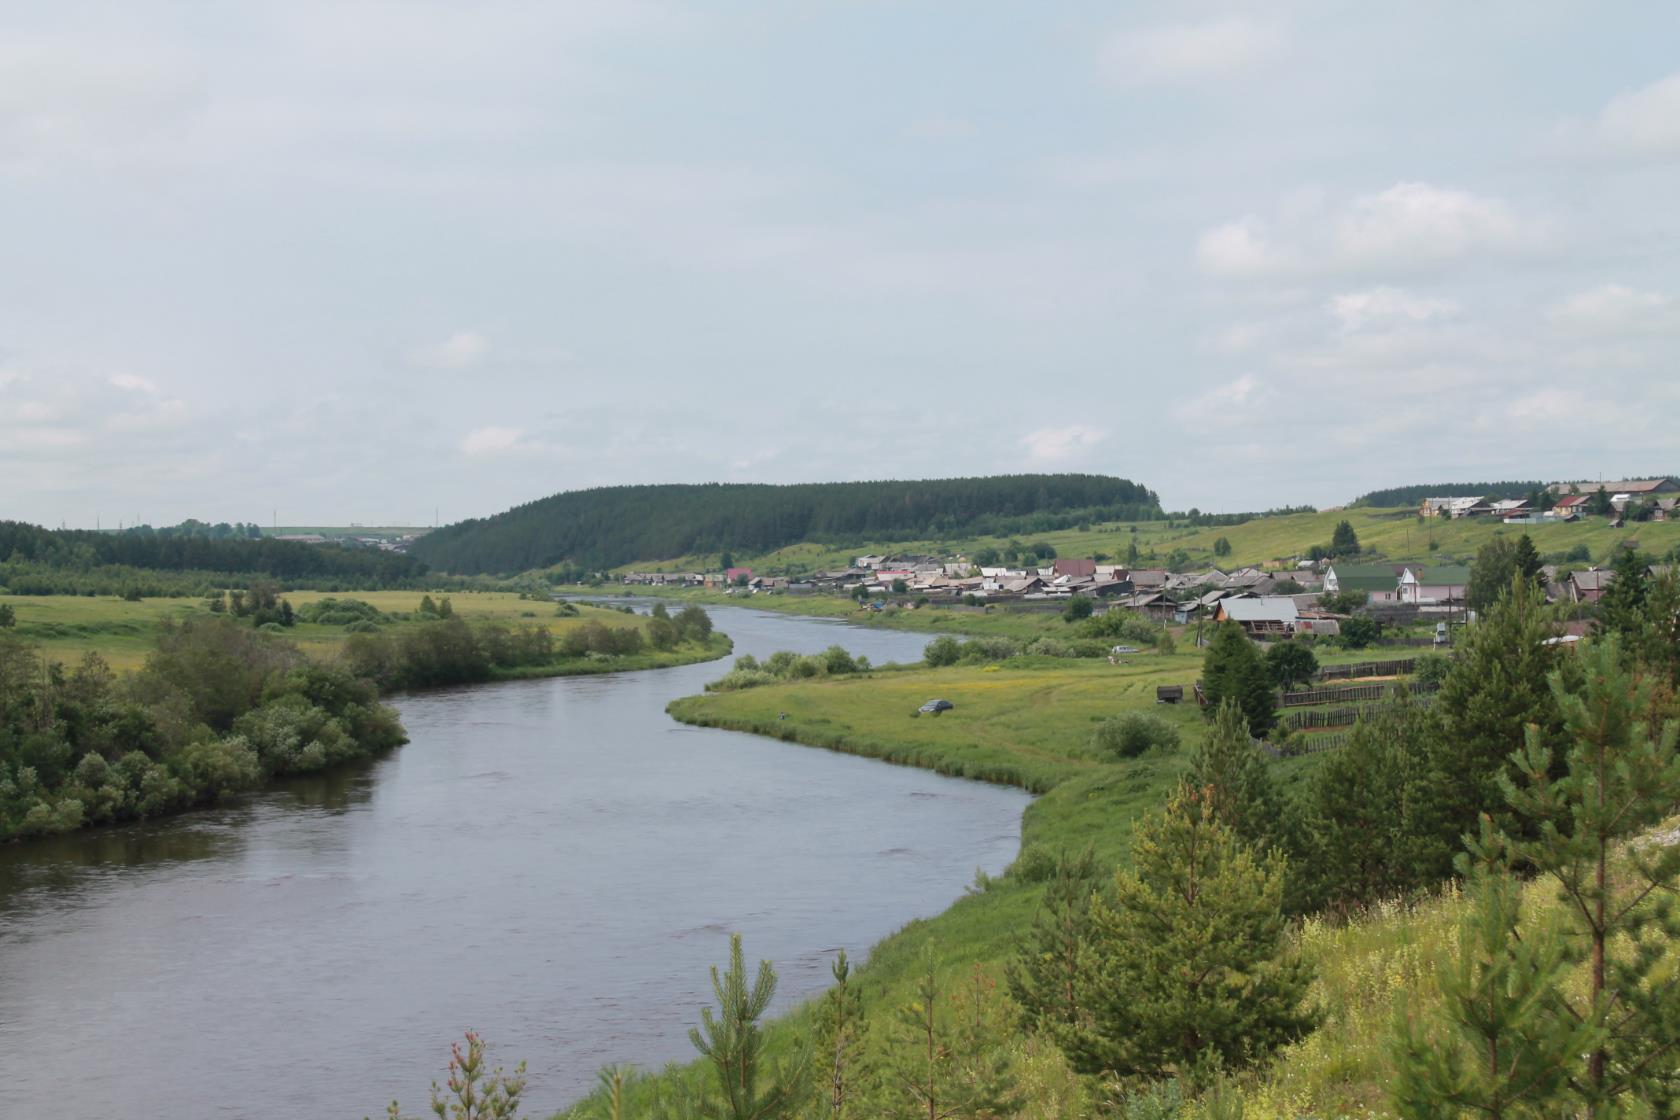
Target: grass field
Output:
[{"x": 67, "y": 626}]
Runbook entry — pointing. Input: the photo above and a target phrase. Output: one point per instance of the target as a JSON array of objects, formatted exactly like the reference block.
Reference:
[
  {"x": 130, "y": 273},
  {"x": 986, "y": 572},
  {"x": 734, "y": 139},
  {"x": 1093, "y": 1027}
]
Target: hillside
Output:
[{"x": 606, "y": 527}]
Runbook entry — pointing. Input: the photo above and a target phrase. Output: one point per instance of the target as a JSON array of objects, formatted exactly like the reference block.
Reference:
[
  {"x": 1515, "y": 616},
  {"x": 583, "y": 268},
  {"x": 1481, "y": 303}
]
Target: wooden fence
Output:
[
  {"x": 1313, "y": 744},
  {"x": 1352, "y": 693},
  {"x": 1395, "y": 668}
]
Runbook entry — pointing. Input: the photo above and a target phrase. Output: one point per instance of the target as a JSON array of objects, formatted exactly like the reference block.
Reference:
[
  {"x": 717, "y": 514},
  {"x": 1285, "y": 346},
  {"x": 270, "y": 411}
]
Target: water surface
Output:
[{"x": 554, "y": 863}]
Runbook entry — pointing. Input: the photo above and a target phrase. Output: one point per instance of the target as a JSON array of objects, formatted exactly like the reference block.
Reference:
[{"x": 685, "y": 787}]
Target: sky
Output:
[{"x": 379, "y": 262}]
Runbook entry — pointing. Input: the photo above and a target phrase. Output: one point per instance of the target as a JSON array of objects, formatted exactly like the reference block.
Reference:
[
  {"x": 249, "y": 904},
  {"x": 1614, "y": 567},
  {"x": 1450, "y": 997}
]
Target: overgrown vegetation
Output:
[{"x": 217, "y": 709}]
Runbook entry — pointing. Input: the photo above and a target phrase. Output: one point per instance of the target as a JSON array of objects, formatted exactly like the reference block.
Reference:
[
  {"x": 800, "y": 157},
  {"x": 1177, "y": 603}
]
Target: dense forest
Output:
[
  {"x": 45, "y": 561},
  {"x": 1414, "y": 495},
  {"x": 615, "y": 525}
]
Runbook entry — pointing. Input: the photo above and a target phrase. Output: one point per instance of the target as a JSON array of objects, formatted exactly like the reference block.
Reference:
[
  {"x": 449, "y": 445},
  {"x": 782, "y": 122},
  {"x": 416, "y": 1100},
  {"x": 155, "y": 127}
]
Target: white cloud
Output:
[
  {"x": 492, "y": 441},
  {"x": 1418, "y": 222},
  {"x": 11, "y": 376},
  {"x": 460, "y": 350},
  {"x": 1054, "y": 445},
  {"x": 133, "y": 383},
  {"x": 1383, "y": 306},
  {"x": 1237, "y": 249},
  {"x": 1617, "y": 309},
  {"x": 1406, "y": 226},
  {"x": 1646, "y": 121},
  {"x": 1189, "y": 52},
  {"x": 1229, "y": 403}
]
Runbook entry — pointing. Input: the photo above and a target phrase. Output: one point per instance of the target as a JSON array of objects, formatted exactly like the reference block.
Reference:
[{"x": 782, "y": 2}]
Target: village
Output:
[{"x": 1299, "y": 596}]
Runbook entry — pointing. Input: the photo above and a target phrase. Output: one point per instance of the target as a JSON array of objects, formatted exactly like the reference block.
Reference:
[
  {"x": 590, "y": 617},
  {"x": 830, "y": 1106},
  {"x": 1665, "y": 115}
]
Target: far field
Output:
[{"x": 67, "y": 626}]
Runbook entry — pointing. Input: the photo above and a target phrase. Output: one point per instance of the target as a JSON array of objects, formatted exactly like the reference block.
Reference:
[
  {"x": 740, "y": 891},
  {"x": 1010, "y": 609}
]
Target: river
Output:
[{"x": 554, "y": 863}]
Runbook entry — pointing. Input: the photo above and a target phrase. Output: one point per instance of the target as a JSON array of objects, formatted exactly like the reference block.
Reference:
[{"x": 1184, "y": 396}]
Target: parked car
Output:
[
  {"x": 1125, "y": 649},
  {"x": 936, "y": 706}
]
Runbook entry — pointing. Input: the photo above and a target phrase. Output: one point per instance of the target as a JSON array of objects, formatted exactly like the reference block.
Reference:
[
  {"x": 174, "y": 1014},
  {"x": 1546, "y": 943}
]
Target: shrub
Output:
[
  {"x": 942, "y": 651},
  {"x": 1132, "y": 734}
]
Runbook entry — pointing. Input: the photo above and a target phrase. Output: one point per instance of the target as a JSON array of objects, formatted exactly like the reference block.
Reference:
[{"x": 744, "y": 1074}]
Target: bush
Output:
[
  {"x": 942, "y": 651},
  {"x": 1431, "y": 668},
  {"x": 1078, "y": 609},
  {"x": 1359, "y": 632},
  {"x": 1131, "y": 734}
]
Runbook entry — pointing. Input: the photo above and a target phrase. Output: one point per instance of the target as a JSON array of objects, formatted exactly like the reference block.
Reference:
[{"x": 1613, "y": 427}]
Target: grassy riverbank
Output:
[{"x": 1026, "y": 723}]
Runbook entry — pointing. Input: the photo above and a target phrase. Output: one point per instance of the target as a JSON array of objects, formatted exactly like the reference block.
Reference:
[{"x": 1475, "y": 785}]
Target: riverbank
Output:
[{"x": 1025, "y": 723}]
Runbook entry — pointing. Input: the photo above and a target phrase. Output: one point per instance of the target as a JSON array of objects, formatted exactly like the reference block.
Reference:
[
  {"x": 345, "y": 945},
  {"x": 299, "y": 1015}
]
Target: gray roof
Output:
[{"x": 1272, "y": 608}]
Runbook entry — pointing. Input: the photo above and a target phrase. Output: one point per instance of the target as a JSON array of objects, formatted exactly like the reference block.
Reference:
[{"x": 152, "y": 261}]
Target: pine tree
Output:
[
  {"x": 1233, "y": 783},
  {"x": 1234, "y": 669},
  {"x": 1525, "y": 558},
  {"x": 748, "y": 1086},
  {"x": 950, "y": 1057},
  {"x": 1619, "y": 779},
  {"x": 1492, "y": 1048},
  {"x": 1043, "y": 977},
  {"x": 841, "y": 1035},
  {"x": 1189, "y": 964},
  {"x": 1658, "y": 646},
  {"x": 1621, "y": 610},
  {"x": 1368, "y": 830},
  {"x": 1496, "y": 687},
  {"x": 1344, "y": 541}
]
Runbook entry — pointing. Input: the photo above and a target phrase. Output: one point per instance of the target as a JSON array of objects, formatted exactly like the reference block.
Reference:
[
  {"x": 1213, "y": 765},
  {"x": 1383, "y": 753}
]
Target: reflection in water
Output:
[{"x": 554, "y": 863}]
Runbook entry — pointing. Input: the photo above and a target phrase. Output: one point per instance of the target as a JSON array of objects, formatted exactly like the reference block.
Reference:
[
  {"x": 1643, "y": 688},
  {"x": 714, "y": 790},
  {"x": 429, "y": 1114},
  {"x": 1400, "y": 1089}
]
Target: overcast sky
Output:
[{"x": 355, "y": 262}]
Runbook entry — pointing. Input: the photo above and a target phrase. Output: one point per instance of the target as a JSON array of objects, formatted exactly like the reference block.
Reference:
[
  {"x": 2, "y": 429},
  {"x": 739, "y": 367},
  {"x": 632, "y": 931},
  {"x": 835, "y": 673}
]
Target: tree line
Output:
[
  {"x": 605, "y": 527},
  {"x": 31, "y": 554}
]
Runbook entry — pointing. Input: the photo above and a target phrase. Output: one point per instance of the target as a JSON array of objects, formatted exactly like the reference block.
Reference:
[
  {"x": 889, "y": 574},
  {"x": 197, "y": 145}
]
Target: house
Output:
[
  {"x": 1149, "y": 579},
  {"x": 1108, "y": 588},
  {"x": 1025, "y": 586},
  {"x": 1449, "y": 506},
  {"x": 1381, "y": 580},
  {"x": 1588, "y": 586},
  {"x": 1273, "y": 616},
  {"x": 1445, "y": 584},
  {"x": 869, "y": 562},
  {"x": 1318, "y": 628},
  {"x": 1574, "y": 505},
  {"x": 731, "y": 575},
  {"x": 1635, "y": 487},
  {"x": 1075, "y": 568},
  {"x": 1509, "y": 507}
]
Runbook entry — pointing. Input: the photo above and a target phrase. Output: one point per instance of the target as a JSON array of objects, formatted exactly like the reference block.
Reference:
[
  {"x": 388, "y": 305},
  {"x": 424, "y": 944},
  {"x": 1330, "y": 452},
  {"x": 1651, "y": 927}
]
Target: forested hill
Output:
[
  {"x": 82, "y": 549},
  {"x": 1414, "y": 495},
  {"x": 605, "y": 527}
]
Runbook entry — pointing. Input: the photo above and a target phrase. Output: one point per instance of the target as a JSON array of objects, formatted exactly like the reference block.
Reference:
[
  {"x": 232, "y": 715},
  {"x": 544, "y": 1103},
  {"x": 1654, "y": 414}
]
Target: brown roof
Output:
[{"x": 1076, "y": 567}]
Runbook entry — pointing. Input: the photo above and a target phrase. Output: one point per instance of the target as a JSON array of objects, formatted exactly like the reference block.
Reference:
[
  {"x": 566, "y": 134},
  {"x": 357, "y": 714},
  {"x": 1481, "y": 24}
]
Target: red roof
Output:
[
  {"x": 1571, "y": 502},
  {"x": 1076, "y": 567}
]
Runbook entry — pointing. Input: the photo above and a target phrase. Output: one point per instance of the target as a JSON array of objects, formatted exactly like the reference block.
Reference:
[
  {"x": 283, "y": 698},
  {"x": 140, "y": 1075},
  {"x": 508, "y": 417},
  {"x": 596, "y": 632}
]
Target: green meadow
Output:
[{"x": 66, "y": 627}]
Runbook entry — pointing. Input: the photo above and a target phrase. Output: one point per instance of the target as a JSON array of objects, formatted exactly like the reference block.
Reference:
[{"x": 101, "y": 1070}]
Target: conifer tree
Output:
[
  {"x": 1621, "y": 609},
  {"x": 1619, "y": 778},
  {"x": 1496, "y": 687},
  {"x": 949, "y": 1056},
  {"x": 1368, "y": 829},
  {"x": 1044, "y": 974},
  {"x": 1234, "y": 669},
  {"x": 842, "y": 1033},
  {"x": 1189, "y": 964},
  {"x": 1233, "y": 783},
  {"x": 1492, "y": 1048},
  {"x": 748, "y": 1085}
]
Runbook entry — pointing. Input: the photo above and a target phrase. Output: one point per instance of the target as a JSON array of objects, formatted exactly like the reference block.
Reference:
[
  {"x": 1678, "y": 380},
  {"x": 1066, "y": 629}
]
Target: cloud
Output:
[
  {"x": 1419, "y": 222},
  {"x": 1383, "y": 306},
  {"x": 1615, "y": 309},
  {"x": 1230, "y": 403},
  {"x": 1189, "y": 52},
  {"x": 1646, "y": 121},
  {"x": 460, "y": 350},
  {"x": 1407, "y": 226},
  {"x": 1054, "y": 445},
  {"x": 1237, "y": 249},
  {"x": 492, "y": 441},
  {"x": 132, "y": 383}
]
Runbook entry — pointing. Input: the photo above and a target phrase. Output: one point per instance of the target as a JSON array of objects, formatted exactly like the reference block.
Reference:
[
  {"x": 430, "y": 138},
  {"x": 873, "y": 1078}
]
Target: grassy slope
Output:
[
  {"x": 1027, "y": 724},
  {"x": 67, "y": 626},
  {"x": 1396, "y": 533}
]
